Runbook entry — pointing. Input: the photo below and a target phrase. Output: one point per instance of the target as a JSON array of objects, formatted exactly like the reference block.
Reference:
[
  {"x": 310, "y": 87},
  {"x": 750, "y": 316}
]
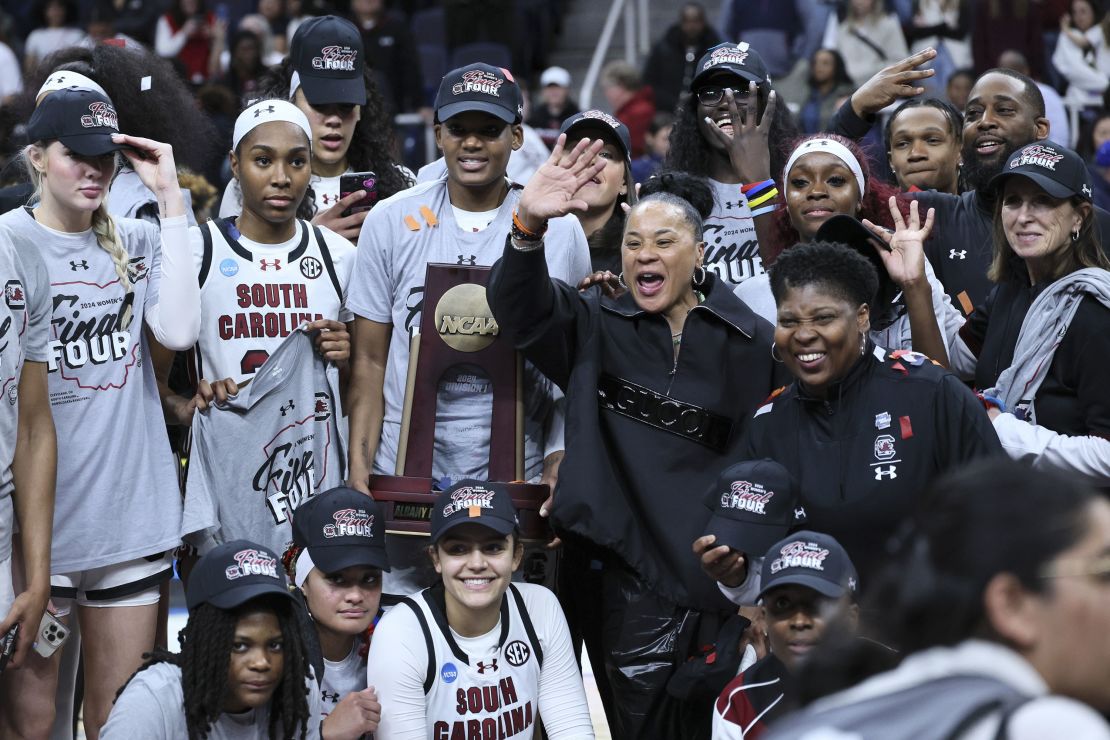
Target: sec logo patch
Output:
[
  {"x": 517, "y": 653},
  {"x": 229, "y": 268},
  {"x": 311, "y": 267}
]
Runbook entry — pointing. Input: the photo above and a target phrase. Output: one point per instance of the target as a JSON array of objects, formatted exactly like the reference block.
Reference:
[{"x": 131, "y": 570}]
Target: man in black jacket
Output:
[{"x": 671, "y": 65}]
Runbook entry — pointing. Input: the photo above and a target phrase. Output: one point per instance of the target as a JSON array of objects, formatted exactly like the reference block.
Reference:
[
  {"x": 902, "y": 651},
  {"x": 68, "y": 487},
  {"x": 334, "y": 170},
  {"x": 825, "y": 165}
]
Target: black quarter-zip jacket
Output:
[
  {"x": 863, "y": 455},
  {"x": 646, "y": 434}
]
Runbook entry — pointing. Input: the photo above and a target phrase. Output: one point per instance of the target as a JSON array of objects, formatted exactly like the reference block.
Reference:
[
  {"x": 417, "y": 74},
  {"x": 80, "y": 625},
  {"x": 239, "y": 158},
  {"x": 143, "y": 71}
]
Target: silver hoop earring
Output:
[
  {"x": 620, "y": 281},
  {"x": 775, "y": 357},
  {"x": 698, "y": 281},
  {"x": 1075, "y": 235}
]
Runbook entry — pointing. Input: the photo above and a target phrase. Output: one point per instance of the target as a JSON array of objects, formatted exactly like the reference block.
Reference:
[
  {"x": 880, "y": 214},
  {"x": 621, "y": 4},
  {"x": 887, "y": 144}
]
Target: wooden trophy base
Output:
[{"x": 407, "y": 502}]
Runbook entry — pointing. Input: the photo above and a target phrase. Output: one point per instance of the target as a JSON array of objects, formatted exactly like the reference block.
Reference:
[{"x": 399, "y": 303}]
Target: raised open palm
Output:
[
  {"x": 904, "y": 257},
  {"x": 553, "y": 190}
]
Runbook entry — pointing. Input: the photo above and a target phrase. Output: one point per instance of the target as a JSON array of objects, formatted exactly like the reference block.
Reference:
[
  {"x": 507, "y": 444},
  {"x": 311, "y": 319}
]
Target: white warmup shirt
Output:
[
  {"x": 273, "y": 445},
  {"x": 152, "y": 707},
  {"x": 24, "y": 329},
  {"x": 341, "y": 678},
  {"x": 731, "y": 249},
  {"x": 117, "y": 496},
  {"x": 434, "y": 683},
  {"x": 253, "y": 295}
]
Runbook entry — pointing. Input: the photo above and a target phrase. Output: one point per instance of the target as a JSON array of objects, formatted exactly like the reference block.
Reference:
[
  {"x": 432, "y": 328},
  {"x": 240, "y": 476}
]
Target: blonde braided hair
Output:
[{"x": 107, "y": 236}]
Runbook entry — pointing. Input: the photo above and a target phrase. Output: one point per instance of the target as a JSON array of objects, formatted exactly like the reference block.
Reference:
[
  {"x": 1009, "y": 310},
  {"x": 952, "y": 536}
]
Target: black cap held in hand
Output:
[
  {"x": 809, "y": 559},
  {"x": 737, "y": 59},
  {"x": 328, "y": 60},
  {"x": 479, "y": 87},
  {"x": 474, "y": 502},
  {"x": 234, "y": 573},
  {"x": 83, "y": 120},
  {"x": 341, "y": 528},
  {"x": 754, "y": 503},
  {"x": 1057, "y": 170}
]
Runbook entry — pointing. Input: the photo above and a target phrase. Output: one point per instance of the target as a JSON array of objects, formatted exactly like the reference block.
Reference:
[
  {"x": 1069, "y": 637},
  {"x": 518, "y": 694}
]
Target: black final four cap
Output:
[
  {"x": 83, "y": 120},
  {"x": 1058, "y": 171},
  {"x": 595, "y": 120},
  {"x": 234, "y": 573},
  {"x": 479, "y": 87},
  {"x": 754, "y": 504},
  {"x": 737, "y": 59},
  {"x": 474, "y": 502},
  {"x": 809, "y": 559},
  {"x": 328, "y": 61},
  {"x": 341, "y": 528}
]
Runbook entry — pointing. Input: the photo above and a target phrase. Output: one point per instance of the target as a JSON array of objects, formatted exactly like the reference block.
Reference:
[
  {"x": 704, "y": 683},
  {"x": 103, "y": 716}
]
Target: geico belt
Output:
[{"x": 663, "y": 412}]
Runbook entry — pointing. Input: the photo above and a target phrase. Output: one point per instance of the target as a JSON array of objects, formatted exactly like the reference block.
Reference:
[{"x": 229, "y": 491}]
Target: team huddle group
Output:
[{"x": 828, "y": 456}]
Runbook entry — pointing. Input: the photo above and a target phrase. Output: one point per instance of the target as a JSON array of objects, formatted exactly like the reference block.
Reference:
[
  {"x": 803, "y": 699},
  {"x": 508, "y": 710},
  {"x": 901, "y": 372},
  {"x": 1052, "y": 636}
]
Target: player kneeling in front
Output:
[
  {"x": 242, "y": 671},
  {"x": 476, "y": 655}
]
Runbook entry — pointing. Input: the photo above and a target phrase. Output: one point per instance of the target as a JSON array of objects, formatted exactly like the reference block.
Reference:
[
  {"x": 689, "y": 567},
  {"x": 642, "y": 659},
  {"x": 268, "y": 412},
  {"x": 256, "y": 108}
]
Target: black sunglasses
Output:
[{"x": 713, "y": 95}]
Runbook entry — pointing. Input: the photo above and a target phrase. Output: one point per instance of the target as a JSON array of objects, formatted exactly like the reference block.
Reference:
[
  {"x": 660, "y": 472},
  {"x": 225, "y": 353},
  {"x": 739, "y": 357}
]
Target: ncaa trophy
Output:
[{"x": 457, "y": 327}]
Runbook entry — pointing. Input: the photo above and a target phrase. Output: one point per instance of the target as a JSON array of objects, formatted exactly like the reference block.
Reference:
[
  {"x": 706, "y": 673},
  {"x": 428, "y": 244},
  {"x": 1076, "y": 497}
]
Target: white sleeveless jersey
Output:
[
  {"x": 251, "y": 301},
  {"x": 480, "y": 696}
]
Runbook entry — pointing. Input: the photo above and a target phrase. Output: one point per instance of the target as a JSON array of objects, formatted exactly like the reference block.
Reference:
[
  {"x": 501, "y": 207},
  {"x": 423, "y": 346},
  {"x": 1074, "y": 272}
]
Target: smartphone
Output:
[
  {"x": 352, "y": 182},
  {"x": 7, "y": 646},
  {"x": 52, "y": 633}
]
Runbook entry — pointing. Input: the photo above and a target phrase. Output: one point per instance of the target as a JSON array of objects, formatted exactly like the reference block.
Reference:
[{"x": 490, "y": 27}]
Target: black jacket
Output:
[
  {"x": 645, "y": 435},
  {"x": 862, "y": 457},
  {"x": 1074, "y": 398}
]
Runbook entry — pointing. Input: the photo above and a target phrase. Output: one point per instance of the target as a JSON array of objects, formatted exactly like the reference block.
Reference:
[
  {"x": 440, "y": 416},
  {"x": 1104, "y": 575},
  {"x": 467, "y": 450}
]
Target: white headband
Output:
[
  {"x": 303, "y": 567},
  {"x": 266, "y": 111},
  {"x": 65, "y": 78},
  {"x": 835, "y": 148}
]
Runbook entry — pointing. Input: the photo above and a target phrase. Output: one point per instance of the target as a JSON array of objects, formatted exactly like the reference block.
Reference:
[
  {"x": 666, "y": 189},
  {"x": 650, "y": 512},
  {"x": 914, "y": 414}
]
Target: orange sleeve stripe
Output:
[
  {"x": 412, "y": 223},
  {"x": 429, "y": 217}
]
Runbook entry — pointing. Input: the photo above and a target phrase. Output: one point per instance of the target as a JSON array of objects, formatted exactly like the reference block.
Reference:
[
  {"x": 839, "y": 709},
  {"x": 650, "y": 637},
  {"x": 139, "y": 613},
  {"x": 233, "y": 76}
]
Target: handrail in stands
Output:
[{"x": 637, "y": 41}]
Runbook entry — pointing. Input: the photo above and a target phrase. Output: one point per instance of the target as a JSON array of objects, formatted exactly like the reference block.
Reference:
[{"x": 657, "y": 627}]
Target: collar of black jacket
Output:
[
  {"x": 855, "y": 375},
  {"x": 719, "y": 300}
]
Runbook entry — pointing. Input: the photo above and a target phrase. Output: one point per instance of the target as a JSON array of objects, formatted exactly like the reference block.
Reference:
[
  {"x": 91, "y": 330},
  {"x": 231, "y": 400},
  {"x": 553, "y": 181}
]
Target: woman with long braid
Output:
[{"x": 113, "y": 283}]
